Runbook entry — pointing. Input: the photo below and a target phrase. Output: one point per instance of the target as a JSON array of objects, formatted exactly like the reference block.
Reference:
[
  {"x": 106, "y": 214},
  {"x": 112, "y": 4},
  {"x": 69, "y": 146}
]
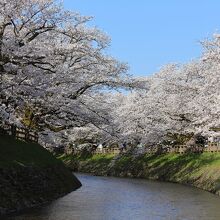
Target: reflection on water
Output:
[{"x": 107, "y": 198}]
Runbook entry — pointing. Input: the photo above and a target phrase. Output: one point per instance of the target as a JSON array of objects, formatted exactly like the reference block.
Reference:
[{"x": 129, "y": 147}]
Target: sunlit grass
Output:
[{"x": 201, "y": 170}]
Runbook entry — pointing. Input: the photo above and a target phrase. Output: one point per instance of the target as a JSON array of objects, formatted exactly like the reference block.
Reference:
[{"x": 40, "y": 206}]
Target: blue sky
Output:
[{"x": 151, "y": 33}]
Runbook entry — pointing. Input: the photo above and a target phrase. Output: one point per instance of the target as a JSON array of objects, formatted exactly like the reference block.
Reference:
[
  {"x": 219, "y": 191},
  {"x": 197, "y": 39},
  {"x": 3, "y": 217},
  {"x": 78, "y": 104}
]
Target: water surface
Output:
[{"x": 108, "y": 198}]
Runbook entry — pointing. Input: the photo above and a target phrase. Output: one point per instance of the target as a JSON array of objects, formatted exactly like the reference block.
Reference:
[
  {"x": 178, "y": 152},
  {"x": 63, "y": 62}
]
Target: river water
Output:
[{"x": 108, "y": 198}]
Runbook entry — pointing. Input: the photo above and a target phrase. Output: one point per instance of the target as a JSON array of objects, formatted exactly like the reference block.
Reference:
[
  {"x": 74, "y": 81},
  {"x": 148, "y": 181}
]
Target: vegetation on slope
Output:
[
  {"x": 200, "y": 170},
  {"x": 30, "y": 176},
  {"x": 19, "y": 153}
]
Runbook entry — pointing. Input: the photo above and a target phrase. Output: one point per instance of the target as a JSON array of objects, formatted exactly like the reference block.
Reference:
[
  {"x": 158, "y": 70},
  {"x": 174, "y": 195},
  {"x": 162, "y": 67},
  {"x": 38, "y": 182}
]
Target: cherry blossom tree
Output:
[
  {"x": 181, "y": 99},
  {"x": 51, "y": 62},
  {"x": 56, "y": 77}
]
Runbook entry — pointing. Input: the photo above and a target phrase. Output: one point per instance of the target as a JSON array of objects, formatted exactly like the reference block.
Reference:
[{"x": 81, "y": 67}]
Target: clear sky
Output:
[{"x": 150, "y": 33}]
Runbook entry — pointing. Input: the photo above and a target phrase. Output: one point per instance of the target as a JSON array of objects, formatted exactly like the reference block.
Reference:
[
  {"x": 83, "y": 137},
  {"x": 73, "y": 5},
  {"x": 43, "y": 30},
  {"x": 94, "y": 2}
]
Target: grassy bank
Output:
[
  {"x": 30, "y": 176},
  {"x": 199, "y": 170},
  {"x": 15, "y": 153}
]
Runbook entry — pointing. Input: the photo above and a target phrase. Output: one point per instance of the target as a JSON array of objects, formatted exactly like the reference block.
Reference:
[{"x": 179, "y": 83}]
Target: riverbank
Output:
[
  {"x": 30, "y": 176},
  {"x": 198, "y": 170}
]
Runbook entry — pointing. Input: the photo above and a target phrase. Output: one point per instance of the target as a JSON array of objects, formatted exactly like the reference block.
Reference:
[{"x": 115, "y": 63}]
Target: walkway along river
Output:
[{"x": 109, "y": 198}]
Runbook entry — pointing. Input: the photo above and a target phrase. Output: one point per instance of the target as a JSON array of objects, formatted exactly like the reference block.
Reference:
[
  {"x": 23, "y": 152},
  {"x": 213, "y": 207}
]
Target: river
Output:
[{"x": 109, "y": 198}]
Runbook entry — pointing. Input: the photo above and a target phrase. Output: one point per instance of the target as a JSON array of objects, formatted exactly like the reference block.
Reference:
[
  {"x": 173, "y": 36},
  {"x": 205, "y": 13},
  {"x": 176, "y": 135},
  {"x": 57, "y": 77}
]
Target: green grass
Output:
[
  {"x": 164, "y": 161},
  {"x": 101, "y": 158},
  {"x": 19, "y": 153},
  {"x": 95, "y": 162},
  {"x": 200, "y": 170},
  {"x": 30, "y": 175},
  {"x": 174, "y": 167},
  {"x": 93, "y": 158},
  {"x": 183, "y": 165}
]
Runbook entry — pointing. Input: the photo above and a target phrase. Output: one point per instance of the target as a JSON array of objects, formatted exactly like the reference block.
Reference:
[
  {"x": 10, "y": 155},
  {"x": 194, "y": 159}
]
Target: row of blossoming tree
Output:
[
  {"x": 53, "y": 68},
  {"x": 56, "y": 78},
  {"x": 182, "y": 101}
]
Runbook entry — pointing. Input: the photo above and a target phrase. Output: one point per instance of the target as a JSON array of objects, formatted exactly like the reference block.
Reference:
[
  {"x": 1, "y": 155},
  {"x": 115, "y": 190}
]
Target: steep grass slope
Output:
[
  {"x": 30, "y": 176},
  {"x": 199, "y": 170}
]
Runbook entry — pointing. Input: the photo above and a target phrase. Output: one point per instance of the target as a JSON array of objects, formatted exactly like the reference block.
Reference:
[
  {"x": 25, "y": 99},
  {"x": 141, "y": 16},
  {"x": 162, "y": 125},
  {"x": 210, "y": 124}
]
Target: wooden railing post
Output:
[
  {"x": 21, "y": 133},
  {"x": 13, "y": 130},
  {"x": 26, "y": 135}
]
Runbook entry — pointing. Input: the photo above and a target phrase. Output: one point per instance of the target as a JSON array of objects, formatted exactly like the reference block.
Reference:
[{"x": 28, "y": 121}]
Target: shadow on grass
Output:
[{"x": 183, "y": 167}]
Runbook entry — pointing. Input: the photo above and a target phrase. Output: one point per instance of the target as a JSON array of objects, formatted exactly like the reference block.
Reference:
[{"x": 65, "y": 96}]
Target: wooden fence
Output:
[
  {"x": 20, "y": 133},
  {"x": 114, "y": 151},
  {"x": 180, "y": 149}
]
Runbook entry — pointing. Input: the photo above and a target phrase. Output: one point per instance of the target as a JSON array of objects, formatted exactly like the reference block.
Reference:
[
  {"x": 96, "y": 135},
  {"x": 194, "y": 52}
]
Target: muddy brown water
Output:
[{"x": 109, "y": 198}]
